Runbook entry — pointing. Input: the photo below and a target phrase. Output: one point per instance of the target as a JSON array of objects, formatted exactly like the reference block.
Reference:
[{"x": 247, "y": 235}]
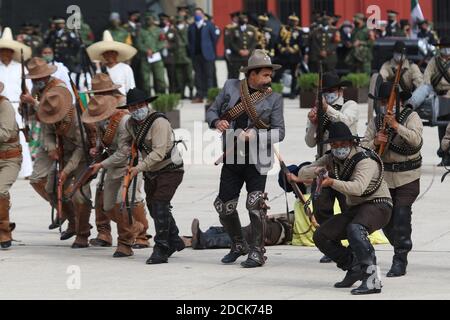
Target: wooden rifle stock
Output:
[
  {"x": 127, "y": 178},
  {"x": 23, "y": 107}
]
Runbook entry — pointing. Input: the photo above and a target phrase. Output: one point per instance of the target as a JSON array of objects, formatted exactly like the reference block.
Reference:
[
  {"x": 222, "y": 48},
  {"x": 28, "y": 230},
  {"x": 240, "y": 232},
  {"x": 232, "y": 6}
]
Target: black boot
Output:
[
  {"x": 354, "y": 274},
  {"x": 365, "y": 254},
  {"x": 325, "y": 259},
  {"x": 238, "y": 249},
  {"x": 175, "y": 242},
  {"x": 213, "y": 238},
  {"x": 257, "y": 211},
  {"x": 161, "y": 215},
  {"x": 401, "y": 240}
]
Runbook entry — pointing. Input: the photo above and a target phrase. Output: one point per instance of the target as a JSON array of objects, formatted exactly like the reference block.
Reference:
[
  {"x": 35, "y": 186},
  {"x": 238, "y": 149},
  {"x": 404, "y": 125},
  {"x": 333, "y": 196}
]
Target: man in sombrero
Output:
[
  {"x": 250, "y": 116},
  {"x": 402, "y": 161},
  {"x": 11, "y": 76},
  {"x": 358, "y": 174},
  {"x": 113, "y": 54},
  {"x": 10, "y": 161},
  {"x": 335, "y": 108},
  {"x": 62, "y": 138}
]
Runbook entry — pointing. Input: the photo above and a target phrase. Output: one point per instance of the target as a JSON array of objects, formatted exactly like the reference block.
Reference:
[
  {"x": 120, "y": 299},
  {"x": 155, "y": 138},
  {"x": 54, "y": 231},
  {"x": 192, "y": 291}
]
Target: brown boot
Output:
[
  {"x": 103, "y": 223},
  {"x": 140, "y": 216},
  {"x": 68, "y": 213},
  {"x": 83, "y": 228},
  {"x": 39, "y": 187},
  {"x": 5, "y": 225},
  {"x": 127, "y": 233}
]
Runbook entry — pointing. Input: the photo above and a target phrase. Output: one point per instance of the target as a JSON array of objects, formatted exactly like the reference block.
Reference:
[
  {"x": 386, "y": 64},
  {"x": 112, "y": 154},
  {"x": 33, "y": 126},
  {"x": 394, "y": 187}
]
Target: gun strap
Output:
[
  {"x": 239, "y": 109},
  {"x": 62, "y": 127}
]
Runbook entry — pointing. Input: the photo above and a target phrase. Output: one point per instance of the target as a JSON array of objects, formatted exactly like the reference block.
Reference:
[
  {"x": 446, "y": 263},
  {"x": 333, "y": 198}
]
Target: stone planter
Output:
[
  {"x": 307, "y": 99},
  {"x": 358, "y": 95},
  {"x": 174, "y": 118}
]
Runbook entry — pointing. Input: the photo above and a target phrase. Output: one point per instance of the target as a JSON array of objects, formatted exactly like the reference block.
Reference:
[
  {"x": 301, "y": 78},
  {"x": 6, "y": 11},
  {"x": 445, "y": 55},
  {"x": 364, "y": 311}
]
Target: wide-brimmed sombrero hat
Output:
[
  {"x": 259, "y": 59},
  {"x": 38, "y": 68},
  {"x": 7, "y": 42},
  {"x": 96, "y": 50},
  {"x": 102, "y": 82},
  {"x": 385, "y": 91},
  {"x": 136, "y": 96},
  {"x": 99, "y": 108},
  {"x": 55, "y": 105},
  {"x": 339, "y": 131}
]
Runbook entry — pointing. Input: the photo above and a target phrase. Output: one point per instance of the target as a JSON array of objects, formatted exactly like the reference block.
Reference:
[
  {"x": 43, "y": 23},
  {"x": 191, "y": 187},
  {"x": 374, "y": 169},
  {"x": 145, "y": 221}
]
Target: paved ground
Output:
[{"x": 39, "y": 266}]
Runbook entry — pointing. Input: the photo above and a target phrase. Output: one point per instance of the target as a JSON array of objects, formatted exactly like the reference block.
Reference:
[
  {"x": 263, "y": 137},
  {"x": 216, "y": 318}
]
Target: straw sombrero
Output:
[
  {"x": 38, "y": 68},
  {"x": 7, "y": 42},
  {"x": 99, "y": 108},
  {"x": 55, "y": 105},
  {"x": 95, "y": 51},
  {"x": 102, "y": 82}
]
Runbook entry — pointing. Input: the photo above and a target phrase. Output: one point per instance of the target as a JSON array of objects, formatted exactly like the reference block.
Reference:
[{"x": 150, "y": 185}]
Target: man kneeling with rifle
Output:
[{"x": 111, "y": 130}]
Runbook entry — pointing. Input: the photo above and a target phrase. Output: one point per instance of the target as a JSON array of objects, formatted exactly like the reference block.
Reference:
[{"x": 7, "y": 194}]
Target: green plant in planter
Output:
[
  {"x": 358, "y": 80},
  {"x": 308, "y": 81},
  {"x": 212, "y": 94},
  {"x": 166, "y": 102},
  {"x": 277, "y": 87}
]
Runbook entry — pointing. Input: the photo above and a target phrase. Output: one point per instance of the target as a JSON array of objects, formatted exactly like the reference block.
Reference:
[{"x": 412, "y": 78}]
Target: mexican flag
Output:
[
  {"x": 416, "y": 11},
  {"x": 416, "y": 16}
]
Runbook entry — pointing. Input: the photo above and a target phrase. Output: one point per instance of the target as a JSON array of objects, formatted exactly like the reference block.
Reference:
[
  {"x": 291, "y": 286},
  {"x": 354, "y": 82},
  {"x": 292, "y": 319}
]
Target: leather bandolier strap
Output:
[
  {"x": 350, "y": 165},
  {"x": 442, "y": 72},
  {"x": 111, "y": 130},
  {"x": 247, "y": 105},
  {"x": 11, "y": 154}
]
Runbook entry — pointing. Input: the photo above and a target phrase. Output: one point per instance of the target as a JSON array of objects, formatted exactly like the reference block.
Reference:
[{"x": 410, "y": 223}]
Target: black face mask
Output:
[
  {"x": 242, "y": 22},
  {"x": 390, "y": 21}
]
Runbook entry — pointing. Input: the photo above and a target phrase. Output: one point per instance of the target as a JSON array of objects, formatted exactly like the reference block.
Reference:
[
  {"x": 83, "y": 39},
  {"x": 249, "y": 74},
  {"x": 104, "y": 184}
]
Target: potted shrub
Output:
[
  {"x": 308, "y": 83},
  {"x": 211, "y": 96},
  {"x": 168, "y": 104},
  {"x": 360, "y": 87},
  {"x": 277, "y": 87}
]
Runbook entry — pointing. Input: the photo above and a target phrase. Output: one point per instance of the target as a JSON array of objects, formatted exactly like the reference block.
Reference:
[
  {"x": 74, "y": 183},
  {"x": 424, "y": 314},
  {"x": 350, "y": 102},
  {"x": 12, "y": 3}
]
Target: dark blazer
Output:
[
  {"x": 269, "y": 110},
  {"x": 209, "y": 38}
]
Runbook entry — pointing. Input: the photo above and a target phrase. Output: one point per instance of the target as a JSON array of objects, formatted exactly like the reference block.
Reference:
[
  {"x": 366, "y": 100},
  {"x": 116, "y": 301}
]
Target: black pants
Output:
[
  {"x": 232, "y": 179},
  {"x": 329, "y": 235},
  {"x": 324, "y": 204},
  {"x": 174, "y": 86},
  {"x": 204, "y": 75}
]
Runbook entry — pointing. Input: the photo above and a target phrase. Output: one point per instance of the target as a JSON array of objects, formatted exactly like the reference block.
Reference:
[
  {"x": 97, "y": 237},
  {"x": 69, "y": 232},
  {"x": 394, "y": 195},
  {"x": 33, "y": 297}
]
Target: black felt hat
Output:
[
  {"x": 399, "y": 47},
  {"x": 385, "y": 91},
  {"x": 331, "y": 80},
  {"x": 339, "y": 131},
  {"x": 137, "y": 96}
]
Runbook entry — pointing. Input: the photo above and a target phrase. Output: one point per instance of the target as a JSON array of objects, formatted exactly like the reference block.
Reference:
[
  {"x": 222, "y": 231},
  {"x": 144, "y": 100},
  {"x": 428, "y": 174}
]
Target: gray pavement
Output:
[{"x": 39, "y": 266}]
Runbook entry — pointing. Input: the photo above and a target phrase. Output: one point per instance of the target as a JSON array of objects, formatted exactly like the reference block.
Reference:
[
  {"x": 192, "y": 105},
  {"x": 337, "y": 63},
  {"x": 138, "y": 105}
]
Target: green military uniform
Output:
[
  {"x": 150, "y": 38},
  {"x": 323, "y": 44},
  {"x": 29, "y": 37},
  {"x": 360, "y": 56},
  {"x": 86, "y": 34},
  {"x": 183, "y": 68},
  {"x": 171, "y": 36},
  {"x": 120, "y": 34},
  {"x": 241, "y": 37}
]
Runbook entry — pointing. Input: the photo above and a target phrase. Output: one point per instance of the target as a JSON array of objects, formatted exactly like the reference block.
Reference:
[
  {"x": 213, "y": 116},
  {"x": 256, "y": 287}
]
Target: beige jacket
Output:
[
  {"x": 72, "y": 145},
  {"x": 365, "y": 174},
  {"x": 8, "y": 126},
  {"x": 412, "y": 77},
  {"x": 410, "y": 133},
  {"x": 348, "y": 114},
  {"x": 430, "y": 71},
  {"x": 161, "y": 139},
  {"x": 445, "y": 144}
]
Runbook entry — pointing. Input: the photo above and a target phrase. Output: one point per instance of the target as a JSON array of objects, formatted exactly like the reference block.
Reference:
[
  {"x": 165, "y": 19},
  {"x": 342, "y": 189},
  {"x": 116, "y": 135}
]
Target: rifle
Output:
[
  {"x": 393, "y": 100},
  {"x": 86, "y": 176},
  {"x": 297, "y": 192},
  {"x": 322, "y": 175},
  {"x": 127, "y": 182},
  {"x": 23, "y": 107},
  {"x": 60, "y": 187},
  {"x": 320, "y": 113},
  {"x": 87, "y": 66}
]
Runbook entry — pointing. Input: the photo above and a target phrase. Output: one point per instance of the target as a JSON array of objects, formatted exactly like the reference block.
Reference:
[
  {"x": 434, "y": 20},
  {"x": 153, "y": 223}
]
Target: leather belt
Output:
[
  {"x": 403, "y": 166},
  {"x": 13, "y": 139},
  {"x": 10, "y": 154}
]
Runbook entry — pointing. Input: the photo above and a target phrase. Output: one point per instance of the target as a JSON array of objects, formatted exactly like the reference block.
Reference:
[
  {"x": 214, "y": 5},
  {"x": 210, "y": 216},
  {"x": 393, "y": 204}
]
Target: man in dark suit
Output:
[
  {"x": 202, "y": 44},
  {"x": 254, "y": 115}
]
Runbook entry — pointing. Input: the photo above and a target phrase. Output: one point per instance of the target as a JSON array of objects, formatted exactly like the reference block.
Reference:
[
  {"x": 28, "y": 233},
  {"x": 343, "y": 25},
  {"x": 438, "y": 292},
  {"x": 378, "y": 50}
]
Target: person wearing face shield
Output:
[
  {"x": 411, "y": 77},
  {"x": 162, "y": 166},
  {"x": 357, "y": 173},
  {"x": 242, "y": 40},
  {"x": 336, "y": 109},
  {"x": 359, "y": 59},
  {"x": 402, "y": 162},
  {"x": 436, "y": 82}
]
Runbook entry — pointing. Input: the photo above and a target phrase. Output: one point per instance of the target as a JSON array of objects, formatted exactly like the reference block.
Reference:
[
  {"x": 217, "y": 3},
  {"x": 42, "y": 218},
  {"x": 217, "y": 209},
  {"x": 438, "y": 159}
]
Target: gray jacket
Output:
[{"x": 269, "y": 110}]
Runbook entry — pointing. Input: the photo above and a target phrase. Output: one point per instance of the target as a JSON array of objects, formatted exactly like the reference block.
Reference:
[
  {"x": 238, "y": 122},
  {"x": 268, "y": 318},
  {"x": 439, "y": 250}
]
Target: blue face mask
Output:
[
  {"x": 341, "y": 153},
  {"x": 197, "y": 18},
  {"x": 140, "y": 114},
  {"x": 331, "y": 97}
]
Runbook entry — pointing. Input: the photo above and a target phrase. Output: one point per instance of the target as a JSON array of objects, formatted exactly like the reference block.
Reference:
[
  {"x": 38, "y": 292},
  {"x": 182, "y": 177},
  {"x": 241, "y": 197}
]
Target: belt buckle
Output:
[{"x": 396, "y": 167}]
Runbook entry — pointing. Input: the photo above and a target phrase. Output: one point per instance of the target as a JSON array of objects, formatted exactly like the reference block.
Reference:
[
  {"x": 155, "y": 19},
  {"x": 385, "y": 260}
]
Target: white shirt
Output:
[
  {"x": 62, "y": 73},
  {"x": 122, "y": 74}
]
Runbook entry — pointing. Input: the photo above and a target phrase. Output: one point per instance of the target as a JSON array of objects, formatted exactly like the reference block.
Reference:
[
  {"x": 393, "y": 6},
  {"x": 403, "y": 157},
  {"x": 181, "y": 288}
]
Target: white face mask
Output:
[
  {"x": 397, "y": 57},
  {"x": 140, "y": 114},
  {"x": 341, "y": 153},
  {"x": 331, "y": 97},
  {"x": 180, "y": 26}
]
